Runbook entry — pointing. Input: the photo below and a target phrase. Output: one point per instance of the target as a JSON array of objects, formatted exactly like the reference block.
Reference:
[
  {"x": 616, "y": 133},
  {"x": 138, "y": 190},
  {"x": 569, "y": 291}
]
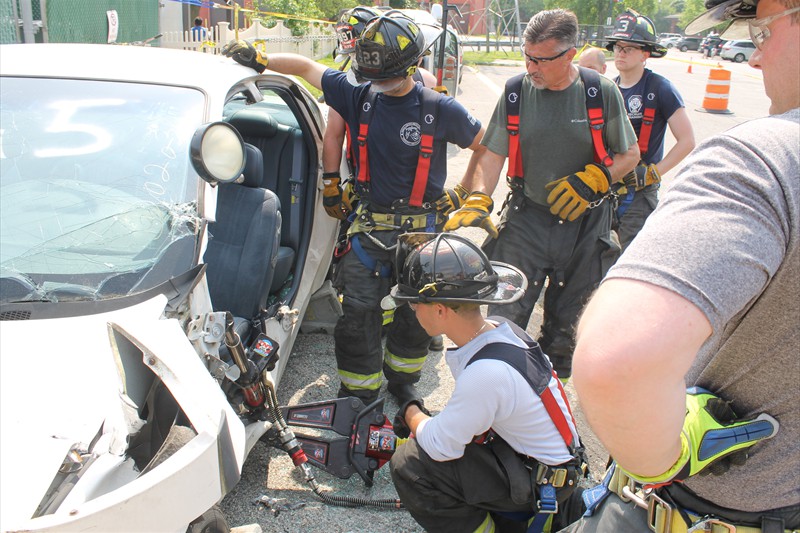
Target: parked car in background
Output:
[
  {"x": 738, "y": 51},
  {"x": 689, "y": 43},
  {"x": 669, "y": 35},
  {"x": 670, "y": 42},
  {"x": 161, "y": 228}
]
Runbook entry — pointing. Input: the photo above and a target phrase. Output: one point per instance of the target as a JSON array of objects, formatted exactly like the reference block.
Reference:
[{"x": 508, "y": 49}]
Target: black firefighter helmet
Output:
[
  {"x": 350, "y": 26},
  {"x": 448, "y": 268},
  {"x": 634, "y": 28},
  {"x": 389, "y": 47}
]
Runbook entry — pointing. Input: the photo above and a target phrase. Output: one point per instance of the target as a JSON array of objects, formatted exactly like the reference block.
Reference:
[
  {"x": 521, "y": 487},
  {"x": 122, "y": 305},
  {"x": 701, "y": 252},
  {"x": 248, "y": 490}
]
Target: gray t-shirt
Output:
[
  {"x": 554, "y": 132},
  {"x": 726, "y": 237}
]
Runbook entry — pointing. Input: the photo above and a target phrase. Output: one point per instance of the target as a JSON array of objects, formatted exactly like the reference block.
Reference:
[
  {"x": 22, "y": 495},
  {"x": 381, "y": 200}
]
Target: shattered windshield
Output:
[{"x": 98, "y": 198}]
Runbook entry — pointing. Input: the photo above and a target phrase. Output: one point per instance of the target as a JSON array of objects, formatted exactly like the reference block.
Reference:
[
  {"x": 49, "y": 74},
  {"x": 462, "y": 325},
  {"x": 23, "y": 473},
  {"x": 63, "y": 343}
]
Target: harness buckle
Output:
[
  {"x": 659, "y": 514},
  {"x": 708, "y": 524},
  {"x": 547, "y": 502}
]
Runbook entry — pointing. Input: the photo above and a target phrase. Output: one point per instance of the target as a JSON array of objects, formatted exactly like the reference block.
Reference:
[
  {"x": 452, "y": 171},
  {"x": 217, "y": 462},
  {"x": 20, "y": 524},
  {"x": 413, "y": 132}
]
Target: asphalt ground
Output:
[{"x": 311, "y": 373}]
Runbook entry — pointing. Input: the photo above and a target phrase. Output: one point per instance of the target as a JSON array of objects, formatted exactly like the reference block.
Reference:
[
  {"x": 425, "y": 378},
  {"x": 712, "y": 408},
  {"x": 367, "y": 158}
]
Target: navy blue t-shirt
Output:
[
  {"x": 394, "y": 135},
  {"x": 668, "y": 101}
]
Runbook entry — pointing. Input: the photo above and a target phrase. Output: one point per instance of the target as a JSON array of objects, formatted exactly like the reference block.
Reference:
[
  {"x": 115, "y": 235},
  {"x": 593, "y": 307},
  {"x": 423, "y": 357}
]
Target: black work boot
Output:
[
  {"x": 367, "y": 397},
  {"x": 436, "y": 344},
  {"x": 403, "y": 392}
]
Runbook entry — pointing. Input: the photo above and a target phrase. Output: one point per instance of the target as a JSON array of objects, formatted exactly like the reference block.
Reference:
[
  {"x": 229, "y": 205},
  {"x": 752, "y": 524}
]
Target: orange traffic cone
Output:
[
  {"x": 717, "y": 89},
  {"x": 689, "y": 70}
]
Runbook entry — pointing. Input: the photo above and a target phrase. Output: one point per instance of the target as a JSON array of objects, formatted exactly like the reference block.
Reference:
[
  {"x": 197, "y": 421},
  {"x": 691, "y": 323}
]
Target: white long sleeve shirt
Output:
[{"x": 491, "y": 394}]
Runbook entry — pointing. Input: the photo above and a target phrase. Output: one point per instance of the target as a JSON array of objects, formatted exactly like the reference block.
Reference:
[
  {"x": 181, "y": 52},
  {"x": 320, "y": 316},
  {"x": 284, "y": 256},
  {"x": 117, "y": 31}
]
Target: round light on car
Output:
[{"x": 217, "y": 152}]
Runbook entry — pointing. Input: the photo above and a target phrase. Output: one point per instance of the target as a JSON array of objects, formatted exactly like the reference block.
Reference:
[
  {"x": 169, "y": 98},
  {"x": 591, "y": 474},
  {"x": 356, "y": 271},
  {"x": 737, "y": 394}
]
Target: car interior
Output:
[{"x": 260, "y": 237}]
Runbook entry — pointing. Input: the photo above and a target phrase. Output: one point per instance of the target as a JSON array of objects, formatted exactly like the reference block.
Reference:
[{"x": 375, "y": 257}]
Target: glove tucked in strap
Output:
[
  {"x": 713, "y": 438},
  {"x": 399, "y": 424},
  {"x": 475, "y": 212},
  {"x": 246, "y": 54},
  {"x": 571, "y": 195},
  {"x": 642, "y": 176}
]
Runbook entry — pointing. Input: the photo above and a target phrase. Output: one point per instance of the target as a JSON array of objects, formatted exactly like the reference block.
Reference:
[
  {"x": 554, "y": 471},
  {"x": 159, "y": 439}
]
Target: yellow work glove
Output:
[
  {"x": 441, "y": 89},
  {"x": 642, "y": 176},
  {"x": 452, "y": 199},
  {"x": 350, "y": 198},
  {"x": 474, "y": 212},
  {"x": 246, "y": 54},
  {"x": 571, "y": 195},
  {"x": 713, "y": 438},
  {"x": 332, "y": 195}
]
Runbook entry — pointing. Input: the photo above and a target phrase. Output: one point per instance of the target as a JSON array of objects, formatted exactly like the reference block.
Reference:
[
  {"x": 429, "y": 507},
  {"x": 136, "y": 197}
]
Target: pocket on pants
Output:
[{"x": 611, "y": 250}]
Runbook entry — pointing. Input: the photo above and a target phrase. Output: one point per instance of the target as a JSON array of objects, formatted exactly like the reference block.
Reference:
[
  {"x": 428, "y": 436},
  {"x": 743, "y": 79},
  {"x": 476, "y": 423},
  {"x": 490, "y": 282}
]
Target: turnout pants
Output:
[
  {"x": 360, "y": 358},
  {"x": 630, "y": 224},
  {"x": 572, "y": 256},
  {"x": 457, "y": 495}
]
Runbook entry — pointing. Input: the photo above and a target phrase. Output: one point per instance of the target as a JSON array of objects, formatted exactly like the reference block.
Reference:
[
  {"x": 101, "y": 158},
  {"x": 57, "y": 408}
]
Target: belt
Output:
[
  {"x": 664, "y": 517},
  {"x": 366, "y": 221}
]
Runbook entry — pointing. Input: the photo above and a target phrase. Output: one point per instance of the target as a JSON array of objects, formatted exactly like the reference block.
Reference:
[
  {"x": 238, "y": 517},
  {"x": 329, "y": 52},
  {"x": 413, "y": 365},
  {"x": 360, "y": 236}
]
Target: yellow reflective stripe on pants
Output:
[
  {"x": 402, "y": 364},
  {"x": 487, "y": 526},
  {"x": 361, "y": 381}
]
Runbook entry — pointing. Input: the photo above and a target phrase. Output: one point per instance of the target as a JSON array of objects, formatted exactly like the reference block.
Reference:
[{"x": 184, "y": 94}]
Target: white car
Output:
[
  {"x": 669, "y": 42},
  {"x": 161, "y": 236},
  {"x": 737, "y": 51}
]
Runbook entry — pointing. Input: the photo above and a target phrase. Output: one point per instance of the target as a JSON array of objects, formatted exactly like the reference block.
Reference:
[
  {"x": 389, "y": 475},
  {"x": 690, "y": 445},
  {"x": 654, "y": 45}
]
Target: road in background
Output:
[{"x": 311, "y": 373}]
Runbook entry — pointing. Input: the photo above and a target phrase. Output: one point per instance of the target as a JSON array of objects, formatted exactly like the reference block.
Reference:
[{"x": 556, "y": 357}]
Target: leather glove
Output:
[
  {"x": 246, "y": 54},
  {"x": 474, "y": 212},
  {"x": 332, "y": 195},
  {"x": 399, "y": 424},
  {"x": 713, "y": 438},
  {"x": 350, "y": 198},
  {"x": 571, "y": 195},
  {"x": 441, "y": 89},
  {"x": 642, "y": 176},
  {"x": 452, "y": 199}
]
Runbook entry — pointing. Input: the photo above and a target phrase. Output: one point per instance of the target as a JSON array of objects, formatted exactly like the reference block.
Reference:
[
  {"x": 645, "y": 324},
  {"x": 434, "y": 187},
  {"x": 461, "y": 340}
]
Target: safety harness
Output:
[
  {"x": 405, "y": 214},
  {"x": 666, "y": 515},
  {"x": 648, "y": 117},
  {"x": 594, "y": 112},
  {"x": 547, "y": 481}
]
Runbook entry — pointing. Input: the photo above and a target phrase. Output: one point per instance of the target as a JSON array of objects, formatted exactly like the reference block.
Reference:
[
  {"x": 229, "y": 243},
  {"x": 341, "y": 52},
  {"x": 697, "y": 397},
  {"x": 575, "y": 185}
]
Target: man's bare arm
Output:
[{"x": 631, "y": 386}]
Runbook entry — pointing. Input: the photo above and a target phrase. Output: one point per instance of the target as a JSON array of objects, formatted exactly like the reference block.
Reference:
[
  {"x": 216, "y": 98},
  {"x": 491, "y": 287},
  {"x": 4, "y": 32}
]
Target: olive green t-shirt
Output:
[{"x": 554, "y": 132}]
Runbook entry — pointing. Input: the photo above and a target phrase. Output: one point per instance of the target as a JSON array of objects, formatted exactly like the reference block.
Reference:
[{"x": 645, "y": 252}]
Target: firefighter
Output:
[
  {"x": 652, "y": 103},
  {"x": 401, "y": 165},
  {"x": 556, "y": 224},
  {"x": 505, "y": 447}
]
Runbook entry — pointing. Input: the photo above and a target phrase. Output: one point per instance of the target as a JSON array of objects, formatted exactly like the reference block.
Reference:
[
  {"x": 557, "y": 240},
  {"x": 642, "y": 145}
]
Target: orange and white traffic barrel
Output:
[{"x": 717, "y": 90}]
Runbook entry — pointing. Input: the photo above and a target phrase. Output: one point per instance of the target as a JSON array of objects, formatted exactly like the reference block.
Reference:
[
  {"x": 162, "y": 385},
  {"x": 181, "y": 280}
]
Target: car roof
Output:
[{"x": 144, "y": 64}]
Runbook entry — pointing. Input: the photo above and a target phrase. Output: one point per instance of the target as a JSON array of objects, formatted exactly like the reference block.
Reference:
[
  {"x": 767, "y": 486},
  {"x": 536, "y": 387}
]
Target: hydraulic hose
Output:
[{"x": 295, "y": 451}]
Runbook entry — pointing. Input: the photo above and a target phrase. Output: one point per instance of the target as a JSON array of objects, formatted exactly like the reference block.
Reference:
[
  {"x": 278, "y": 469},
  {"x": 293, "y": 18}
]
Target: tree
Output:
[
  {"x": 290, "y": 7},
  {"x": 330, "y": 9}
]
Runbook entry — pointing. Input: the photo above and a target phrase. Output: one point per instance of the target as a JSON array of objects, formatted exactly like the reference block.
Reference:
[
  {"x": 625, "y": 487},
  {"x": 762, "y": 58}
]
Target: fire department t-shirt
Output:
[
  {"x": 394, "y": 136},
  {"x": 668, "y": 100}
]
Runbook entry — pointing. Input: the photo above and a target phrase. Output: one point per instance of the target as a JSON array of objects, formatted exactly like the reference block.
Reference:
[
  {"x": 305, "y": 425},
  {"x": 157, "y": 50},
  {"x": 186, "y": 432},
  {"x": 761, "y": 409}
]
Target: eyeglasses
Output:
[
  {"x": 759, "y": 32},
  {"x": 624, "y": 50},
  {"x": 537, "y": 60}
]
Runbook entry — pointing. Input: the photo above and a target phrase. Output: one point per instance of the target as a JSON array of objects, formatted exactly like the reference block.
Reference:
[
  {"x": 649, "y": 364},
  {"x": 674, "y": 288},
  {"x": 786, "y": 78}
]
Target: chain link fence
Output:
[{"x": 78, "y": 21}]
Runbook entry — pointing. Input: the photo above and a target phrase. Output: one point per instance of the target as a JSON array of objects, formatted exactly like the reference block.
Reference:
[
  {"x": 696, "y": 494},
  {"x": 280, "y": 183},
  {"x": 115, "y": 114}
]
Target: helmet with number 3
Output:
[
  {"x": 351, "y": 23},
  {"x": 634, "y": 28},
  {"x": 389, "y": 47}
]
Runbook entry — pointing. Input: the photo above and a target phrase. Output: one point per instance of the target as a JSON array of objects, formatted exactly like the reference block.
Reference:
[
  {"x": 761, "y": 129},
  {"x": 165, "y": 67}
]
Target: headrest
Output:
[
  {"x": 254, "y": 122},
  {"x": 254, "y": 166}
]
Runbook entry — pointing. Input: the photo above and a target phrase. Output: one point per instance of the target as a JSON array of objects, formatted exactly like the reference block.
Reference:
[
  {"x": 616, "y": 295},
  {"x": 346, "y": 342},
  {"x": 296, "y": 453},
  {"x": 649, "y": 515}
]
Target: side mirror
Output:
[{"x": 217, "y": 152}]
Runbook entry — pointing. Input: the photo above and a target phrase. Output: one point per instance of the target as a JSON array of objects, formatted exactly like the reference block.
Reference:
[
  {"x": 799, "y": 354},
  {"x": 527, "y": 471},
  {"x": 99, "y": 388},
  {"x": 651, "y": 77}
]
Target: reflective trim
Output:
[
  {"x": 403, "y": 364},
  {"x": 487, "y": 526},
  {"x": 355, "y": 381}
]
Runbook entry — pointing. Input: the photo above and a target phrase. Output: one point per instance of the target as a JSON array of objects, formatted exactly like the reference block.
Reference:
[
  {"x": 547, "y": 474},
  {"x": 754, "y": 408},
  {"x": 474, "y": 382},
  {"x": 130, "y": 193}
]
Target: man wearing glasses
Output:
[
  {"x": 652, "y": 103},
  {"x": 561, "y": 224},
  {"x": 710, "y": 288}
]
